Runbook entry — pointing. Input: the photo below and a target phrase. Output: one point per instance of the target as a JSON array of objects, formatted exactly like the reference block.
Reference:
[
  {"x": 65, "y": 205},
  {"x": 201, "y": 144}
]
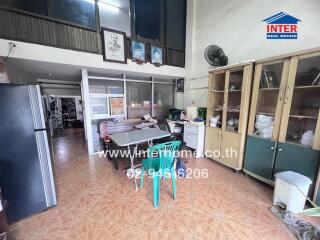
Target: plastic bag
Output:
[{"x": 181, "y": 168}]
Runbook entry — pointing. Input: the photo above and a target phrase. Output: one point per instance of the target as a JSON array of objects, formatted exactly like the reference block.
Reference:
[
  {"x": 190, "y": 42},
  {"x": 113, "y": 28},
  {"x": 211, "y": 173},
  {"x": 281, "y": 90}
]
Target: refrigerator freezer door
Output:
[{"x": 21, "y": 179}]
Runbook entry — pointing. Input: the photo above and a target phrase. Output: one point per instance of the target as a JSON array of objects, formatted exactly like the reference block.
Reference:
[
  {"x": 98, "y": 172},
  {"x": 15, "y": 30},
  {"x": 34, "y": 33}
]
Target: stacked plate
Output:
[
  {"x": 214, "y": 121},
  {"x": 264, "y": 125},
  {"x": 307, "y": 138}
]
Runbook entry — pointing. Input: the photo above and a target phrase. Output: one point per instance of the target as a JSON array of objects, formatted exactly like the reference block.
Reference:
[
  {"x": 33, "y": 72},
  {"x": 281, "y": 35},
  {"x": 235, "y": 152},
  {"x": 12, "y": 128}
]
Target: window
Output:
[
  {"x": 138, "y": 99},
  {"x": 100, "y": 92},
  {"x": 34, "y": 6},
  {"x": 82, "y": 12},
  {"x": 163, "y": 99},
  {"x": 147, "y": 18}
]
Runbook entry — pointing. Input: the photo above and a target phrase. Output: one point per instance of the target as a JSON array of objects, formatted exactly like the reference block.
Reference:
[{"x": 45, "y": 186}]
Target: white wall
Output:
[
  {"x": 85, "y": 60},
  {"x": 116, "y": 18},
  {"x": 61, "y": 91},
  {"x": 237, "y": 27},
  {"x": 18, "y": 76}
]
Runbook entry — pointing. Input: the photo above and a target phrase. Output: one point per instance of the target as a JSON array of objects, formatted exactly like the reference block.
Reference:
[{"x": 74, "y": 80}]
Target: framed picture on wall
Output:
[
  {"x": 156, "y": 56},
  {"x": 180, "y": 85},
  {"x": 116, "y": 105},
  {"x": 138, "y": 51},
  {"x": 114, "y": 45}
]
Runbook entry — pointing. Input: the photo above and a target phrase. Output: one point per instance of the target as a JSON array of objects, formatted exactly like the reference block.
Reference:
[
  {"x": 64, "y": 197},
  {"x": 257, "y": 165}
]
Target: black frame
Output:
[
  {"x": 103, "y": 29},
  {"x": 181, "y": 83},
  {"x": 145, "y": 51},
  {"x": 162, "y": 55}
]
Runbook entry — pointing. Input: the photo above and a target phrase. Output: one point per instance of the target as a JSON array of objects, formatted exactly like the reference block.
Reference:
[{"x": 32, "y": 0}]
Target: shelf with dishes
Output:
[
  {"x": 266, "y": 113},
  {"x": 269, "y": 89},
  {"x": 307, "y": 87},
  {"x": 234, "y": 90},
  {"x": 217, "y": 109},
  {"x": 303, "y": 117},
  {"x": 233, "y": 110},
  {"x": 217, "y": 91}
]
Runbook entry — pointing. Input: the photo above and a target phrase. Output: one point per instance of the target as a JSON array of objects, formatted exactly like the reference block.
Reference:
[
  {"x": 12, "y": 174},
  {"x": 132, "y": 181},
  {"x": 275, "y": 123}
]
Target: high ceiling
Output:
[
  {"x": 44, "y": 70},
  {"x": 28, "y": 69}
]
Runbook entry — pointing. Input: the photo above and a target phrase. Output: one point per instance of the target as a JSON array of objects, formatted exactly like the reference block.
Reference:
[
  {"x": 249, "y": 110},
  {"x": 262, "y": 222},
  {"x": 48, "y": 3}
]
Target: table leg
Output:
[{"x": 135, "y": 149}]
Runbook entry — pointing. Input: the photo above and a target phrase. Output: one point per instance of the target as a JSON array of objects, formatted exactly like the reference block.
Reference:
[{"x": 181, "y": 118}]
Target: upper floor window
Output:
[
  {"x": 147, "y": 18},
  {"x": 34, "y": 6},
  {"x": 81, "y": 12}
]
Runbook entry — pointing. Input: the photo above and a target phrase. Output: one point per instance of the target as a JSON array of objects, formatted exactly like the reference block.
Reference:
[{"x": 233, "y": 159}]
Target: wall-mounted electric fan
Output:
[{"x": 215, "y": 56}]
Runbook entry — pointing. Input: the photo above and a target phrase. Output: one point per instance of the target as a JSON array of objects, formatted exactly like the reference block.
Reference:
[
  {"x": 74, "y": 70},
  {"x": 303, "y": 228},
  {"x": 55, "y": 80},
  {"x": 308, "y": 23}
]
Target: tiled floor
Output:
[{"x": 96, "y": 202}]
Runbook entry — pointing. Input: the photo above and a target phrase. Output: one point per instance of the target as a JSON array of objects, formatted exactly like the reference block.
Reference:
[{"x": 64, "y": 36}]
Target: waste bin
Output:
[{"x": 287, "y": 192}]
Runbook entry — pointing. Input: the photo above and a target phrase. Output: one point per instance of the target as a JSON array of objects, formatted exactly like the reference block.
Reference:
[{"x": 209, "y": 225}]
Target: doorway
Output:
[{"x": 64, "y": 114}]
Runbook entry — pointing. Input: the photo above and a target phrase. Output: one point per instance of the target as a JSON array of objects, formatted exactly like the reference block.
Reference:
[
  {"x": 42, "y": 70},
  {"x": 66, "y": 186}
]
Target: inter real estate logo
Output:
[{"x": 282, "y": 26}]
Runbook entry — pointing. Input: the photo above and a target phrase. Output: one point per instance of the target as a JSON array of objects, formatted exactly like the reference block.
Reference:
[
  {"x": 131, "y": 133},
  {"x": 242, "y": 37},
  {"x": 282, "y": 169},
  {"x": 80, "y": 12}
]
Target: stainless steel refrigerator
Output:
[{"x": 26, "y": 168}]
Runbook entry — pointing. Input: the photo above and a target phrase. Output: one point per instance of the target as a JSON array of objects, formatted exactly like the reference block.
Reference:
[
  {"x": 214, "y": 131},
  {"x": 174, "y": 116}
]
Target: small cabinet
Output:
[
  {"x": 193, "y": 136},
  {"x": 212, "y": 142},
  {"x": 284, "y": 122},
  {"x": 231, "y": 148},
  {"x": 229, "y": 91},
  {"x": 297, "y": 158},
  {"x": 260, "y": 156}
]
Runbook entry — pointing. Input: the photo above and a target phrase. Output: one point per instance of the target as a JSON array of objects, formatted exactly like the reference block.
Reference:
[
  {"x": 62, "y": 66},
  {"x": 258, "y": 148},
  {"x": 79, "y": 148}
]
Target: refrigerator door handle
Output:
[{"x": 41, "y": 129}]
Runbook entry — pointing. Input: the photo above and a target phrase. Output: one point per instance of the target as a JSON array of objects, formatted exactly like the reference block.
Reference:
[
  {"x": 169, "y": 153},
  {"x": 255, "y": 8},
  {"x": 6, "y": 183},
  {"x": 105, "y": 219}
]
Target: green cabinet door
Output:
[
  {"x": 297, "y": 158},
  {"x": 259, "y": 156}
]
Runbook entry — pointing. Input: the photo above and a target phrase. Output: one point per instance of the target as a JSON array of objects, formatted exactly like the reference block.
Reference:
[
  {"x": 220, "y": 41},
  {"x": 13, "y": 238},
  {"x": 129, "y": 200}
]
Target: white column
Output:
[{"x": 86, "y": 110}]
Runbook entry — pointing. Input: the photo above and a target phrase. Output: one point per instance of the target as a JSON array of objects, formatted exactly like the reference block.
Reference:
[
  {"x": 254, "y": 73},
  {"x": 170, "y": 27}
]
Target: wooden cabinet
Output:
[
  {"x": 284, "y": 122},
  {"x": 229, "y": 91}
]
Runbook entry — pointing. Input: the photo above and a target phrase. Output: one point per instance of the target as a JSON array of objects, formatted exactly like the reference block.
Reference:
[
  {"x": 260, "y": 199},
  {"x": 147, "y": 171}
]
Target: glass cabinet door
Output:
[
  {"x": 267, "y": 99},
  {"x": 233, "y": 99},
  {"x": 216, "y": 100},
  {"x": 302, "y": 101}
]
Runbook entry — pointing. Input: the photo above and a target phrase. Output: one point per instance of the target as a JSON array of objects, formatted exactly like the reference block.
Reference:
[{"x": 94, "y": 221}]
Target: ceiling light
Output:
[
  {"x": 89, "y": 1},
  {"x": 109, "y": 7}
]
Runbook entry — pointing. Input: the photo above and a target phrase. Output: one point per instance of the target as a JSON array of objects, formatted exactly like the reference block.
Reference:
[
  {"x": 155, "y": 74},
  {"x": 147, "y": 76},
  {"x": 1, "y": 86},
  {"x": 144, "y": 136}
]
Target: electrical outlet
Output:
[{"x": 12, "y": 47}]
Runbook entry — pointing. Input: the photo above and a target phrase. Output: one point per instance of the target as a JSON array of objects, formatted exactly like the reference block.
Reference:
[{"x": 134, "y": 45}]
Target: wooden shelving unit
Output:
[
  {"x": 228, "y": 97},
  {"x": 291, "y": 140}
]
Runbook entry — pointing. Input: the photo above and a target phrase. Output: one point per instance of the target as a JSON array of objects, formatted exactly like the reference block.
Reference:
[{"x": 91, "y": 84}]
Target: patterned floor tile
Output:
[{"x": 96, "y": 202}]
